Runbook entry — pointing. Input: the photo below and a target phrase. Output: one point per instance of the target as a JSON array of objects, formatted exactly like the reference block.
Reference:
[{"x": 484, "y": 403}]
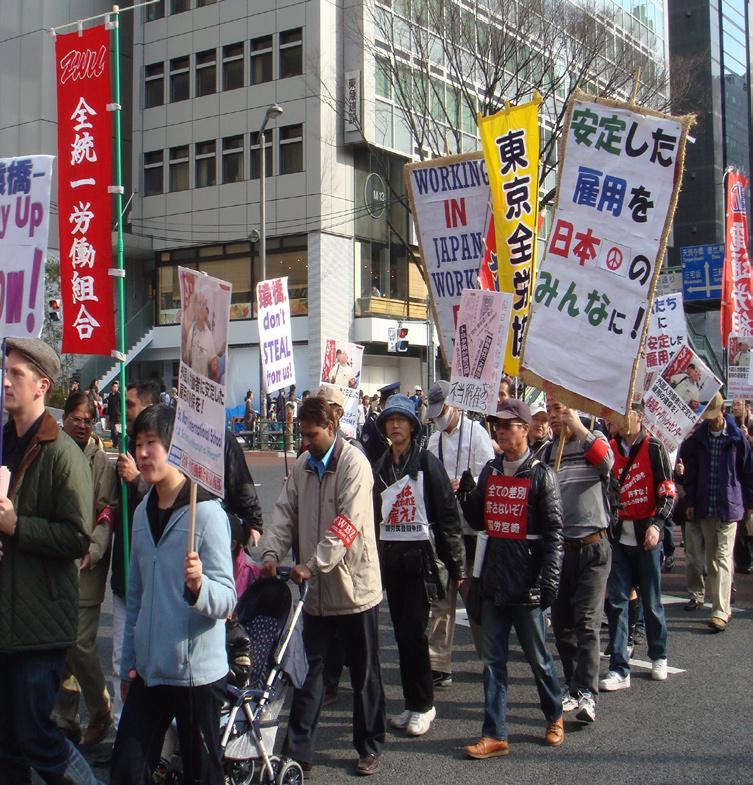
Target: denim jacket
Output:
[{"x": 170, "y": 638}]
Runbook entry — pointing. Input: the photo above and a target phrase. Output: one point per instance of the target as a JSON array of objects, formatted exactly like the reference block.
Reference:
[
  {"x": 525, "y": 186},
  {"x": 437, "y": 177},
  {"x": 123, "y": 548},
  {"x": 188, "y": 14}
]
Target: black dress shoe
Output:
[{"x": 368, "y": 764}]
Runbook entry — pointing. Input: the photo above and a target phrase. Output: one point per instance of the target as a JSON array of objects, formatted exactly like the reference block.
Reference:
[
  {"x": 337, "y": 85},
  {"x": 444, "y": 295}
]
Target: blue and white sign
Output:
[{"x": 702, "y": 271}]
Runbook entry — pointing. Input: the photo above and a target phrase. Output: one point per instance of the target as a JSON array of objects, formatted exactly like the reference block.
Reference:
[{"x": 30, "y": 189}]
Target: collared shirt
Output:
[
  {"x": 716, "y": 442},
  {"x": 319, "y": 465}
]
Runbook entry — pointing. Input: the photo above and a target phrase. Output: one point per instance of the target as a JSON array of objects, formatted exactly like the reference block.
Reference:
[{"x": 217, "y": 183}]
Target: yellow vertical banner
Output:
[{"x": 510, "y": 141}]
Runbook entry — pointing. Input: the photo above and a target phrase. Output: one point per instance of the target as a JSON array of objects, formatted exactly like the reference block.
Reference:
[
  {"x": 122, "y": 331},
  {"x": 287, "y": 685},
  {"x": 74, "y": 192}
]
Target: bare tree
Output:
[{"x": 449, "y": 61}]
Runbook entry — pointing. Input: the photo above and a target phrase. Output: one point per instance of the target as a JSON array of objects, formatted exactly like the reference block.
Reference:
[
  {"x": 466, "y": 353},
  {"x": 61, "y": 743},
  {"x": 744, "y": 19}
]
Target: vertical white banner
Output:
[{"x": 275, "y": 338}]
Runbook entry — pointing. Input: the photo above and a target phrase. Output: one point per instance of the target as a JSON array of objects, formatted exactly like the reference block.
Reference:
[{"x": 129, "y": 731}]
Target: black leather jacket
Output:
[
  {"x": 441, "y": 509},
  {"x": 516, "y": 572}
]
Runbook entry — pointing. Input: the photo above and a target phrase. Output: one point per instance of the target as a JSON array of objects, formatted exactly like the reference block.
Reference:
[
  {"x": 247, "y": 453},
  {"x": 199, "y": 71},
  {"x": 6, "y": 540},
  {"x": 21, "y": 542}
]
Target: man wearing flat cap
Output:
[
  {"x": 517, "y": 503},
  {"x": 45, "y": 523}
]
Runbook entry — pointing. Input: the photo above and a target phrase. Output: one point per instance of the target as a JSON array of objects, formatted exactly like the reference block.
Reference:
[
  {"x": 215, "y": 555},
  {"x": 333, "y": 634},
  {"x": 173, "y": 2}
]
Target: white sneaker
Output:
[
  {"x": 420, "y": 722},
  {"x": 402, "y": 719},
  {"x": 659, "y": 670},
  {"x": 569, "y": 703},
  {"x": 586, "y": 708},
  {"x": 614, "y": 682}
]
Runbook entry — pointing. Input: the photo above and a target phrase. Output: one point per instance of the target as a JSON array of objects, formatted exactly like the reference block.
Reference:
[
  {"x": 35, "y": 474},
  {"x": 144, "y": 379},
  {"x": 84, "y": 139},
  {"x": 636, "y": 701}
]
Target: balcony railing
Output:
[{"x": 391, "y": 308}]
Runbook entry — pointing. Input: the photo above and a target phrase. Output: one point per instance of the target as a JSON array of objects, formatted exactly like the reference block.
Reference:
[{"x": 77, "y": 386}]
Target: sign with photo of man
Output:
[{"x": 198, "y": 443}]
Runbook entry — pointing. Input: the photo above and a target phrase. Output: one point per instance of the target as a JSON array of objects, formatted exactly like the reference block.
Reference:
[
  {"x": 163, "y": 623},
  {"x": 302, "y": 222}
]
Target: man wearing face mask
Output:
[{"x": 462, "y": 445}]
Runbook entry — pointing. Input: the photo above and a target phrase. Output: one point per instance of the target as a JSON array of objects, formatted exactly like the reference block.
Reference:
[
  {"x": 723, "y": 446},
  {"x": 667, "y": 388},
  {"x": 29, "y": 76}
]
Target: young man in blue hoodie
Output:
[{"x": 174, "y": 663}]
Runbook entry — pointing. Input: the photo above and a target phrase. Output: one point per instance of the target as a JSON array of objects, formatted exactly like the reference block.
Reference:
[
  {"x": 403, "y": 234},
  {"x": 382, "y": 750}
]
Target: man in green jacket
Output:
[{"x": 45, "y": 523}]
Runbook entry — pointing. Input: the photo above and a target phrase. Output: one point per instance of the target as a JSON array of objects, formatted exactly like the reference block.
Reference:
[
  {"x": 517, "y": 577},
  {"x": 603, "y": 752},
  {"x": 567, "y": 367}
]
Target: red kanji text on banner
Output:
[{"x": 506, "y": 507}]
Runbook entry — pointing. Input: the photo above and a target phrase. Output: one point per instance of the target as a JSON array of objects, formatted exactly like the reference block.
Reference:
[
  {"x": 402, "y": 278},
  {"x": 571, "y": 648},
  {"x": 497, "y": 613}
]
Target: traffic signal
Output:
[
  {"x": 402, "y": 339},
  {"x": 53, "y": 310}
]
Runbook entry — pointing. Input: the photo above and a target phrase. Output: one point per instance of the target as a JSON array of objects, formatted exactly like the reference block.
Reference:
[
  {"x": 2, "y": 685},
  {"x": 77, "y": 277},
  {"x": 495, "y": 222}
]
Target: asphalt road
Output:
[{"x": 693, "y": 728}]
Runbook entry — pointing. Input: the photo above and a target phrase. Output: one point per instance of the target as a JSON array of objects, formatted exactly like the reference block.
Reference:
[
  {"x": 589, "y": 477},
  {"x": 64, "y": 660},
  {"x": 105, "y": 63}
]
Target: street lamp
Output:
[{"x": 272, "y": 113}]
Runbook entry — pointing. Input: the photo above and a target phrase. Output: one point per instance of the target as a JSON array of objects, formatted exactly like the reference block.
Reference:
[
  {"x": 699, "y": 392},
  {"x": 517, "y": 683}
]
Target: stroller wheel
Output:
[
  {"x": 239, "y": 772},
  {"x": 264, "y": 777},
  {"x": 290, "y": 773}
]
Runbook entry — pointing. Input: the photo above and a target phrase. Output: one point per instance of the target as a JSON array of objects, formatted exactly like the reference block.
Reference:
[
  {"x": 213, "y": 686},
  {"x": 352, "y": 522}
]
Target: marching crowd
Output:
[{"x": 540, "y": 519}]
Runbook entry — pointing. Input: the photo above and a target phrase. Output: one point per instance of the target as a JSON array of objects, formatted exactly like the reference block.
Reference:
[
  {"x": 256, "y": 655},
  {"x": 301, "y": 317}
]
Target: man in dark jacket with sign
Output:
[
  {"x": 718, "y": 492},
  {"x": 419, "y": 522},
  {"x": 647, "y": 495},
  {"x": 45, "y": 524},
  {"x": 517, "y": 503}
]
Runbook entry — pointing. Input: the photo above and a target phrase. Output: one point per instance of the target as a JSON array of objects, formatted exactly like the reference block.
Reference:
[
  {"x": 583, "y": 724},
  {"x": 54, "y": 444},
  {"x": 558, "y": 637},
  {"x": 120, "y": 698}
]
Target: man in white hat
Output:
[{"x": 462, "y": 445}]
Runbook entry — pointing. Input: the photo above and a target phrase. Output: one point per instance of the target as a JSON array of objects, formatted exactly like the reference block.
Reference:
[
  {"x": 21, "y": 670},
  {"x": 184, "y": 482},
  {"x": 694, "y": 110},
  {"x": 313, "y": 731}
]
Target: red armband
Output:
[
  {"x": 596, "y": 452},
  {"x": 667, "y": 488},
  {"x": 105, "y": 517},
  {"x": 344, "y": 530}
]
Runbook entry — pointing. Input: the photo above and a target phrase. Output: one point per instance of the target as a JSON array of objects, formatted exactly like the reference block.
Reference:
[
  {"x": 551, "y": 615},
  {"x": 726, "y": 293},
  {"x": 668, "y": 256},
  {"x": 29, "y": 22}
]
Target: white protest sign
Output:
[
  {"x": 24, "y": 224},
  {"x": 341, "y": 365},
  {"x": 678, "y": 396},
  {"x": 449, "y": 199},
  {"x": 667, "y": 331},
  {"x": 275, "y": 338},
  {"x": 739, "y": 366},
  {"x": 619, "y": 176},
  {"x": 480, "y": 342},
  {"x": 198, "y": 444}
]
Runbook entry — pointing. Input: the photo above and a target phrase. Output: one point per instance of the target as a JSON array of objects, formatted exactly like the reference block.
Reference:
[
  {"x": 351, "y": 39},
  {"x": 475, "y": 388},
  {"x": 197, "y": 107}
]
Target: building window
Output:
[
  {"x": 155, "y": 11},
  {"x": 206, "y": 72},
  {"x": 232, "y": 66},
  {"x": 291, "y": 149},
  {"x": 232, "y": 159},
  {"x": 179, "y": 6},
  {"x": 179, "y": 179},
  {"x": 261, "y": 59},
  {"x": 155, "y": 85},
  {"x": 206, "y": 164},
  {"x": 153, "y": 173},
  {"x": 291, "y": 53},
  {"x": 180, "y": 85},
  {"x": 200, "y": 3},
  {"x": 255, "y": 163}
]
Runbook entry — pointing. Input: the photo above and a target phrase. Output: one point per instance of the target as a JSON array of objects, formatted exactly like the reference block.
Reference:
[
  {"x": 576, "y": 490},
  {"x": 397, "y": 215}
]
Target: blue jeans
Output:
[
  {"x": 632, "y": 566},
  {"x": 528, "y": 621},
  {"x": 29, "y": 683}
]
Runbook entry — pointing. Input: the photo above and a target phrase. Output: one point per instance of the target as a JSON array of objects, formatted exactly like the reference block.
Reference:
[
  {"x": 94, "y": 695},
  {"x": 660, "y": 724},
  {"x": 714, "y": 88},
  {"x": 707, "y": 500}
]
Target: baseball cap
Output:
[
  {"x": 331, "y": 393},
  {"x": 438, "y": 392},
  {"x": 538, "y": 408},
  {"x": 512, "y": 409}
]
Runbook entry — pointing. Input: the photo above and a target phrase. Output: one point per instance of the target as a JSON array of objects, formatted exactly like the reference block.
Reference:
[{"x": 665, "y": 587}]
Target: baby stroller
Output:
[{"x": 250, "y": 721}]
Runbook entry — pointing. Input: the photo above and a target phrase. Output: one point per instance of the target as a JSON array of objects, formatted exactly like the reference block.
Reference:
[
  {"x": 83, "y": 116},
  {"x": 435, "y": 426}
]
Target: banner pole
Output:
[
  {"x": 120, "y": 286},
  {"x": 460, "y": 442},
  {"x": 2, "y": 397},
  {"x": 560, "y": 447},
  {"x": 192, "y": 519}
]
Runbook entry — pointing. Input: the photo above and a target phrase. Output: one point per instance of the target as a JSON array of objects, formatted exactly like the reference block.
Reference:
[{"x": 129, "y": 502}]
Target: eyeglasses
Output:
[
  {"x": 505, "y": 424},
  {"x": 87, "y": 423}
]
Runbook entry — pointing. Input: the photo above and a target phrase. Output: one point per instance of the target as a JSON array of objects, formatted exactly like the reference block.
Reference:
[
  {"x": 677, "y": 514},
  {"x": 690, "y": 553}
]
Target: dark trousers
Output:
[
  {"x": 358, "y": 633},
  {"x": 409, "y": 611},
  {"x": 147, "y": 714},
  {"x": 577, "y": 611},
  {"x": 29, "y": 684}
]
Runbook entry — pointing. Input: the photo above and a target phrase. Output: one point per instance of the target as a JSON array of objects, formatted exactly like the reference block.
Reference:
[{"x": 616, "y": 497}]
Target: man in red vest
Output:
[{"x": 647, "y": 494}]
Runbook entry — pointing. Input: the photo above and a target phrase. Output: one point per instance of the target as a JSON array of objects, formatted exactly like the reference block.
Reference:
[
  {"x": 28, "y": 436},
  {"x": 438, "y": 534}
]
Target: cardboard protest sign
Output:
[
  {"x": 85, "y": 173},
  {"x": 510, "y": 140},
  {"x": 198, "y": 444},
  {"x": 448, "y": 199},
  {"x": 480, "y": 341},
  {"x": 341, "y": 365},
  {"x": 620, "y": 171},
  {"x": 667, "y": 331},
  {"x": 275, "y": 337},
  {"x": 678, "y": 396},
  {"x": 24, "y": 224}
]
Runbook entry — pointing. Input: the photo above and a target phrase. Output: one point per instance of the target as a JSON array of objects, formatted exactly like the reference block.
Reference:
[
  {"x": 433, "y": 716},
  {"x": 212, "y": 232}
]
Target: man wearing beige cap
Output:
[
  {"x": 718, "y": 492},
  {"x": 45, "y": 523}
]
